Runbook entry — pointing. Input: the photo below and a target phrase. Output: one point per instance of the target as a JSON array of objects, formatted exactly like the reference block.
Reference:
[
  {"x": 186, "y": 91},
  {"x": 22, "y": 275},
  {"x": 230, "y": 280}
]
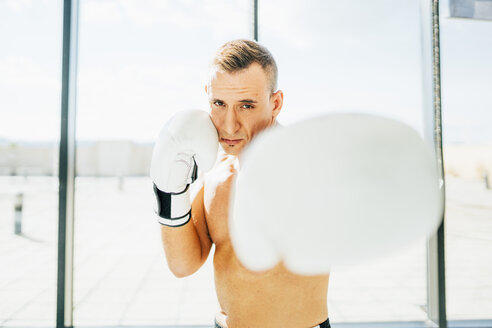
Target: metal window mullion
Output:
[
  {"x": 254, "y": 19},
  {"x": 66, "y": 168},
  {"x": 431, "y": 82}
]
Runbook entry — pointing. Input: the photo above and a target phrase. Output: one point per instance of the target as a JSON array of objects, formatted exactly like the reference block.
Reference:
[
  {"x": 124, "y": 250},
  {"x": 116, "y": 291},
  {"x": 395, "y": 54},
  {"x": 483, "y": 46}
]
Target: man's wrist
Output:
[{"x": 173, "y": 209}]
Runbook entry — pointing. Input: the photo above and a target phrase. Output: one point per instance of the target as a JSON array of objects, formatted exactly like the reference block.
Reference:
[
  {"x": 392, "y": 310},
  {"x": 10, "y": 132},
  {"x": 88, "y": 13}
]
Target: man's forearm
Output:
[{"x": 182, "y": 248}]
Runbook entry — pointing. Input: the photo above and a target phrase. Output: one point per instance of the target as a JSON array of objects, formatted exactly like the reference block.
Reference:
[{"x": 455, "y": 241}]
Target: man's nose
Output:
[{"x": 231, "y": 123}]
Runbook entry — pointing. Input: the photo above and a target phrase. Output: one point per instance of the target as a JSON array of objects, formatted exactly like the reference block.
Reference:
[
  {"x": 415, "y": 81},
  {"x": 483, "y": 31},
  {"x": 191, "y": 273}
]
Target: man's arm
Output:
[
  {"x": 187, "y": 247},
  {"x": 186, "y": 143}
]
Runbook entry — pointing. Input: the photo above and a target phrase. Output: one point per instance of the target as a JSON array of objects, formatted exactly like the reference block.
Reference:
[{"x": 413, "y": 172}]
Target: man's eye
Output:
[
  {"x": 247, "y": 106},
  {"x": 218, "y": 103}
]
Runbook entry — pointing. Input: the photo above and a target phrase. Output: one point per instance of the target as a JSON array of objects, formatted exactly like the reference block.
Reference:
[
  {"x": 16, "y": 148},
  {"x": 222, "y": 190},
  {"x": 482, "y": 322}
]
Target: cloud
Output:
[
  {"x": 29, "y": 100},
  {"x": 17, "y": 6},
  {"x": 26, "y": 73},
  {"x": 107, "y": 12},
  {"x": 223, "y": 17},
  {"x": 306, "y": 24},
  {"x": 131, "y": 101},
  {"x": 134, "y": 101}
]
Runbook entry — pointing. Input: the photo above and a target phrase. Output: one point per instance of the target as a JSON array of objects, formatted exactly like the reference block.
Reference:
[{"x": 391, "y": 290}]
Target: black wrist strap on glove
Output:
[{"x": 166, "y": 203}]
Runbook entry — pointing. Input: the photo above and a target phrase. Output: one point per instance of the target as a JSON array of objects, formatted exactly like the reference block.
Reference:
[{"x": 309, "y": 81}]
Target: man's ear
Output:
[
  {"x": 206, "y": 89},
  {"x": 278, "y": 101}
]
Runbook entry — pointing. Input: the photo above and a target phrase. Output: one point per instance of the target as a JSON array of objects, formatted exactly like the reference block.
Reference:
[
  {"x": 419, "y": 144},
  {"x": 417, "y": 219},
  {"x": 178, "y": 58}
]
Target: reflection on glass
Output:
[
  {"x": 343, "y": 56},
  {"x": 466, "y": 49},
  {"x": 30, "y": 61},
  {"x": 138, "y": 64}
]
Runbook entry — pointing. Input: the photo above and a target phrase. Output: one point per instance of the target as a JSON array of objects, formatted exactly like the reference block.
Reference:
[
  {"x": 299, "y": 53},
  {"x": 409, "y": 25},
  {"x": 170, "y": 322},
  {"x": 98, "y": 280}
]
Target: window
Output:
[{"x": 30, "y": 66}]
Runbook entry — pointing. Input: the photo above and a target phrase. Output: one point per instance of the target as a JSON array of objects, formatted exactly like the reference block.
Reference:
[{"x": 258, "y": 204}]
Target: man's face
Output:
[{"x": 242, "y": 105}]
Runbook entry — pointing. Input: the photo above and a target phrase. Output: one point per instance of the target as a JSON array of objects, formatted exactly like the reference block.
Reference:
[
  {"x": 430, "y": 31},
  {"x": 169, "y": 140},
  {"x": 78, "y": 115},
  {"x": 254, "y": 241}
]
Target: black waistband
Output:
[{"x": 324, "y": 324}]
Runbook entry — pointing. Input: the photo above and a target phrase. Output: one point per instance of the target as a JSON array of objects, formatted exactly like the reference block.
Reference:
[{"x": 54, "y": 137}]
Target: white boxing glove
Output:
[
  {"x": 335, "y": 190},
  {"x": 187, "y": 141}
]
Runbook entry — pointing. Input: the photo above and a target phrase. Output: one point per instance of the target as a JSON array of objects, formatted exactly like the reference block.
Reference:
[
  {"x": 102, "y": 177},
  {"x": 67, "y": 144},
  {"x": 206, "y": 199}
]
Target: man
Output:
[{"x": 244, "y": 101}]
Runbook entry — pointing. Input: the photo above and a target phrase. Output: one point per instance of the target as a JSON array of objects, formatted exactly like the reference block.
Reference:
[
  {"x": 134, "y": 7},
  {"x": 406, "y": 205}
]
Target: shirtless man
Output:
[{"x": 244, "y": 100}]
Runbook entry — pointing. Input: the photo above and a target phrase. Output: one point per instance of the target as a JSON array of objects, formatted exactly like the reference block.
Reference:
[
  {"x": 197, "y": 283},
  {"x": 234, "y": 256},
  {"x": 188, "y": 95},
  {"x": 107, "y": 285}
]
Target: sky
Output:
[{"x": 139, "y": 61}]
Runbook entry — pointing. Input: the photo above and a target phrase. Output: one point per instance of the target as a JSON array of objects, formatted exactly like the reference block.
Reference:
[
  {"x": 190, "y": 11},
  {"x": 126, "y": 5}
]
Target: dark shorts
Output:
[{"x": 324, "y": 324}]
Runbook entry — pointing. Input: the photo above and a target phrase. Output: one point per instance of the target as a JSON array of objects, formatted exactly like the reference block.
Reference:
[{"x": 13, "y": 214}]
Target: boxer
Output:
[{"x": 244, "y": 101}]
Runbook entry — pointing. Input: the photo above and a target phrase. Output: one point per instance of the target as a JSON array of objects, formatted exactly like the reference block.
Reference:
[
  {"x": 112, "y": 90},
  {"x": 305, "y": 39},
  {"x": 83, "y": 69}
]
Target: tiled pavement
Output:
[{"x": 121, "y": 277}]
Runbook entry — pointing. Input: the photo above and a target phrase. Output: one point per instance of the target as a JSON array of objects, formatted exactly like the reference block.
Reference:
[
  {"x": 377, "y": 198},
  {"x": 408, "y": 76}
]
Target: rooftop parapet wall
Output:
[
  {"x": 102, "y": 158},
  {"x": 127, "y": 158}
]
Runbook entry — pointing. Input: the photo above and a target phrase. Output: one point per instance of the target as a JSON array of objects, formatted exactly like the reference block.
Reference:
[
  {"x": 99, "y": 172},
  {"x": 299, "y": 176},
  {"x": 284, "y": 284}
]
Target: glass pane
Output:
[
  {"x": 30, "y": 70},
  {"x": 362, "y": 56},
  {"x": 139, "y": 62},
  {"x": 466, "y": 49}
]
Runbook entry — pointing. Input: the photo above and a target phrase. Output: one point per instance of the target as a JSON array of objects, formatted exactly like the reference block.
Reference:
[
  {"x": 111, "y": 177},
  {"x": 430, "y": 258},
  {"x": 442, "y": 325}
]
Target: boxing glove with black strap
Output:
[{"x": 188, "y": 141}]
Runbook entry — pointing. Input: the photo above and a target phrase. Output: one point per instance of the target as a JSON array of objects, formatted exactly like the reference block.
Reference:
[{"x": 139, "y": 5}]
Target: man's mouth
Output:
[{"x": 231, "y": 142}]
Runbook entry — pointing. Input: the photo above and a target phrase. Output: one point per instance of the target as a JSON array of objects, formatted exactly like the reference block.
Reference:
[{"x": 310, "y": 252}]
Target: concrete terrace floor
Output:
[{"x": 121, "y": 276}]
